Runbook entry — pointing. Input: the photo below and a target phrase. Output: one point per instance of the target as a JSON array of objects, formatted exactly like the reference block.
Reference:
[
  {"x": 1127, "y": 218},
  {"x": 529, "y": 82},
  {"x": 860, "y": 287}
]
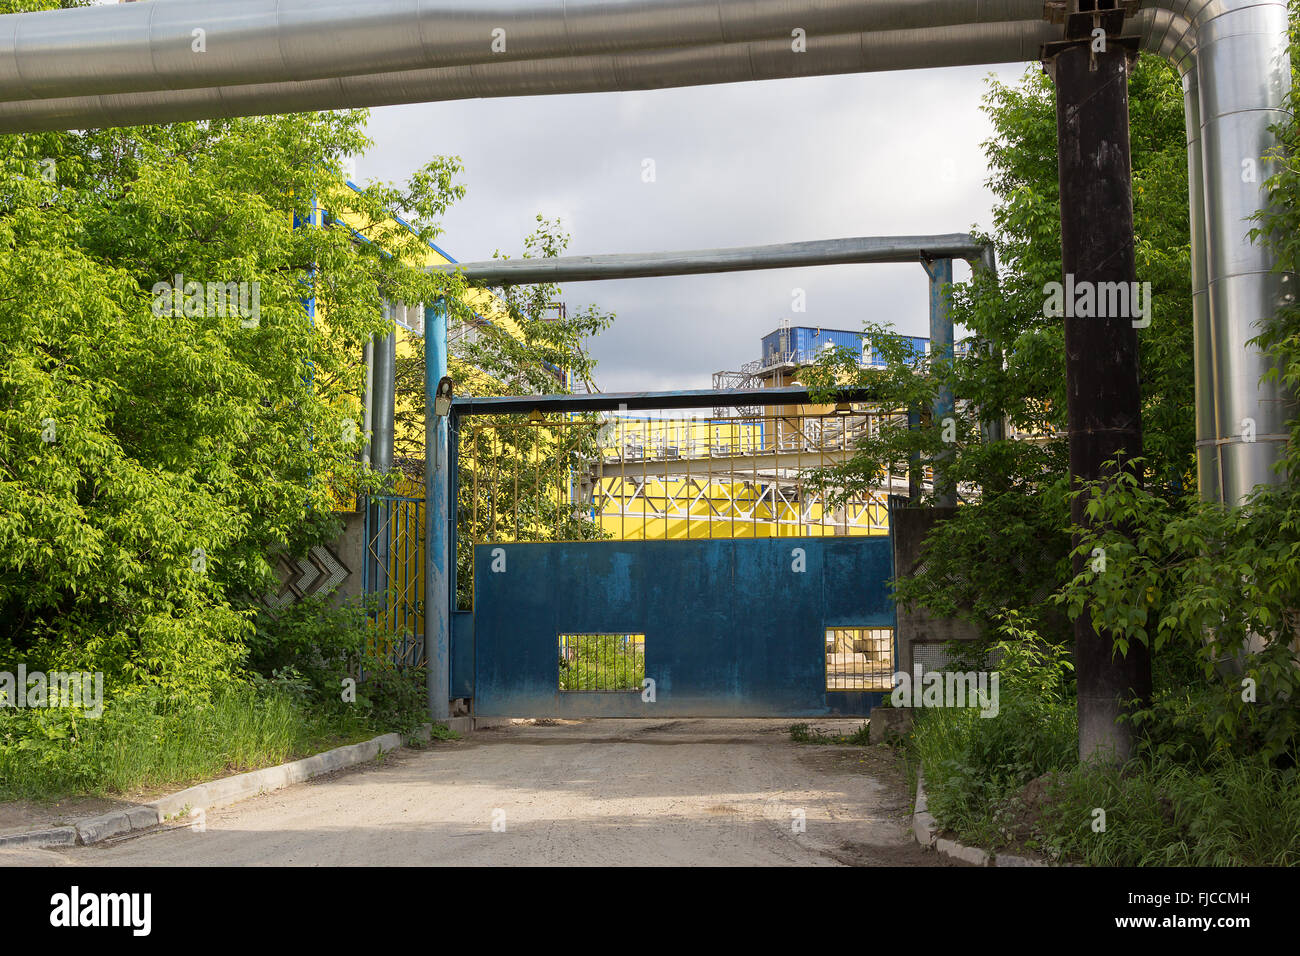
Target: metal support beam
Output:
[
  {"x": 790, "y": 255},
  {"x": 941, "y": 336},
  {"x": 1101, "y": 352},
  {"x": 437, "y": 497},
  {"x": 382, "y": 401},
  {"x": 634, "y": 401}
]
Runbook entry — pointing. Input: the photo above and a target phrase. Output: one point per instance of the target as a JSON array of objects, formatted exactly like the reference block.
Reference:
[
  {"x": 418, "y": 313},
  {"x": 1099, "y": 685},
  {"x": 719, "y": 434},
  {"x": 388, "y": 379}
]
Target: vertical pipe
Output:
[
  {"x": 1101, "y": 352},
  {"x": 368, "y": 400},
  {"x": 1245, "y": 75},
  {"x": 1207, "y": 449},
  {"x": 915, "y": 476},
  {"x": 437, "y": 484},
  {"x": 382, "y": 403},
  {"x": 941, "y": 335}
]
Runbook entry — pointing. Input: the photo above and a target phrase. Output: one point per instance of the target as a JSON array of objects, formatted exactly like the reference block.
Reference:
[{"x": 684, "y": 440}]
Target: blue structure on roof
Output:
[{"x": 800, "y": 345}]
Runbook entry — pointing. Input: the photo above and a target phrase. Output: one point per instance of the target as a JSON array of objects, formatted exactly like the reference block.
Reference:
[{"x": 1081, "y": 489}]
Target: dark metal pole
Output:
[{"x": 1101, "y": 352}]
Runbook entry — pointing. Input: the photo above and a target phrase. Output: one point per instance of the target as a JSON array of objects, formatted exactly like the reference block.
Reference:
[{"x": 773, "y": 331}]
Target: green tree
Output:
[
  {"x": 516, "y": 476},
  {"x": 1008, "y": 547},
  {"x": 153, "y": 459}
]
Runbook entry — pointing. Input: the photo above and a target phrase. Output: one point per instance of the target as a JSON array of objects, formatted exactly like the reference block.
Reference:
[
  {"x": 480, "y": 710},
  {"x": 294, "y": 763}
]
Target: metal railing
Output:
[
  {"x": 665, "y": 478},
  {"x": 392, "y": 577}
]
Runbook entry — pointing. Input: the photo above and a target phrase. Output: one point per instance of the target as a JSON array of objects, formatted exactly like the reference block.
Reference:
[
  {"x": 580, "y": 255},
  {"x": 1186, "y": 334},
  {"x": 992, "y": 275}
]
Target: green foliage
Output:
[
  {"x": 393, "y": 697},
  {"x": 1236, "y": 812},
  {"x": 974, "y": 765},
  {"x": 319, "y": 640},
  {"x": 1218, "y": 583},
  {"x": 151, "y": 461},
  {"x": 1008, "y": 546},
  {"x": 149, "y": 740},
  {"x": 807, "y": 734}
]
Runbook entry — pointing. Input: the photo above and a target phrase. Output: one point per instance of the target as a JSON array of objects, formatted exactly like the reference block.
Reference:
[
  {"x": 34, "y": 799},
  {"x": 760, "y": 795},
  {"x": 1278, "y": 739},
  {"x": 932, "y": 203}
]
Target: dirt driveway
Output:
[{"x": 635, "y": 792}]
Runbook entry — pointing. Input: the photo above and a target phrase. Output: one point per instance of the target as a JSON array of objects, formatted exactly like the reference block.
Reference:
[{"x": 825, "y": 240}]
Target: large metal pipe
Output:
[
  {"x": 653, "y": 68},
  {"x": 1244, "y": 73},
  {"x": 186, "y": 44},
  {"x": 1207, "y": 448},
  {"x": 941, "y": 343},
  {"x": 822, "y": 252}
]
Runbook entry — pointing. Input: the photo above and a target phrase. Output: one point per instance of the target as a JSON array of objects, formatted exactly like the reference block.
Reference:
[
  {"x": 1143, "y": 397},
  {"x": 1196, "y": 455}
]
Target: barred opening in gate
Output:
[
  {"x": 859, "y": 658},
  {"x": 601, "y": 662}
]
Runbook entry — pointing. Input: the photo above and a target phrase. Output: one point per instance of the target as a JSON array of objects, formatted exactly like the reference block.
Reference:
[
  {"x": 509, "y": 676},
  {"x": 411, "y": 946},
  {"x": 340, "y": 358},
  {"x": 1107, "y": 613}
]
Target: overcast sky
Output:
[{"x": 737, "y": 164}]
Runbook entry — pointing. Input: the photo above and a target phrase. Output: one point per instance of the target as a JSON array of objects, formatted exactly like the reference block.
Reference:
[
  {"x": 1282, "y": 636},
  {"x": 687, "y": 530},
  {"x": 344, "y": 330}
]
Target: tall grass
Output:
[
  {"x": 147, "y": 742},
  {"x": 1170, "y": 806},
  {"x": 1234, "y": 812}
]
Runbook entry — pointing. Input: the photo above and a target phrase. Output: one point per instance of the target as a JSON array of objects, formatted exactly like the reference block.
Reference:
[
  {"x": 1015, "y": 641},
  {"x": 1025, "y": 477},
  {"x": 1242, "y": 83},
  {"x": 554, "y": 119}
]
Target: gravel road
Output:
[{"x": 635, "y": 792}]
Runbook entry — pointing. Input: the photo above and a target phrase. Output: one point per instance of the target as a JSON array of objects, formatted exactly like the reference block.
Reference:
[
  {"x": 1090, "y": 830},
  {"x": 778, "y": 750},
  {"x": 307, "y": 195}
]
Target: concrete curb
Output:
[
  {"x": 926, "y": 832},
  {"x": 207, "y": 796}
]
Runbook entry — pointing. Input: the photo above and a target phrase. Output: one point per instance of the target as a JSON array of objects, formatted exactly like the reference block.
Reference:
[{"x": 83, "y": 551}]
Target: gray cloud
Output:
[{"x": 739, "y": 164}]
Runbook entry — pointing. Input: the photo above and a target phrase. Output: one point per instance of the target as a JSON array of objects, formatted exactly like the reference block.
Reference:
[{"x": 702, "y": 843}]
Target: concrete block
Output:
[
  {"x": 205, "y": 796},
  {"x": 95, "y": 829},
  {"x": 174, "y": 804},
  {"x": 924, "y": 828},
  {"x": 889, "y": 723},
  {"x": 57, "y": 836},
  {"x": 967, "y": 854},
  {"x": 1008, "y": 859},
  {"x": 142, "y": 818}
]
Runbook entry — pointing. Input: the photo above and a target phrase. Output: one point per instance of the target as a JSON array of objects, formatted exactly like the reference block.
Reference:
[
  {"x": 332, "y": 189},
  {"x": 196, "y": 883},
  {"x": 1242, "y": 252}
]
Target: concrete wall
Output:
[{"x": 921, "y": 635}]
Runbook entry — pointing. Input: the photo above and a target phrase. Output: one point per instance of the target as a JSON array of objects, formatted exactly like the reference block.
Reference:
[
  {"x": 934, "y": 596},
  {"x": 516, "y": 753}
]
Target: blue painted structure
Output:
[
  {"x": 803, "y": 344},
  {"x": 437, "y": 527},
  {"x": 730, "y": 628}
]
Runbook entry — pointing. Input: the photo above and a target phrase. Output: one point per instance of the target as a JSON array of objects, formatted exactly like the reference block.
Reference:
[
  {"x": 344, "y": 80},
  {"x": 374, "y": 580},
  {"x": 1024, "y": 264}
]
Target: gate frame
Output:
[{"x": 934, "y": 253}]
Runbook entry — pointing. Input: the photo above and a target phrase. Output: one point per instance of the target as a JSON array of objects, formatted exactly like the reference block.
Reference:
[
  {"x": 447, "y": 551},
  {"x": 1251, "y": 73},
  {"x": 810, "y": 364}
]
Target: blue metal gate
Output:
[
  {"x": 731, "y": 628},
  {"x": 638, "y": 567}
]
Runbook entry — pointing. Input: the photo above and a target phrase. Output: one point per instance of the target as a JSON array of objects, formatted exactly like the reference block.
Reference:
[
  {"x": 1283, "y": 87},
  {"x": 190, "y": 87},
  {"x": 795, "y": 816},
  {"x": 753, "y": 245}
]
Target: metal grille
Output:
[
  {"x": 601, "y": 663},
  {"x": 393, "y": 577},
  {"x": 665, "y": 478},
  {"x": 859, "y": 658},
  {"x": 930, "y": 657}
]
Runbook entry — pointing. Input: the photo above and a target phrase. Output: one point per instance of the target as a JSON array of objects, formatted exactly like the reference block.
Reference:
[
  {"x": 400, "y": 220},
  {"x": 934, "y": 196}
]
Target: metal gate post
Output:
[{"x": 437, "y": 479}]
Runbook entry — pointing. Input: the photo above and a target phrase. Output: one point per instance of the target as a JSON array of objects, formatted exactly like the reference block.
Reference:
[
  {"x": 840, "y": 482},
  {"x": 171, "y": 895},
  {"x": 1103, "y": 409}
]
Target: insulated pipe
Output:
[
  {"x": 185, "y": 44},
  {"x": 655, "y": 68},
  {"x": 823, "y": 252},
  {"x": 1245, "y": 74},
  {"x": 1207, "y": 449}
]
